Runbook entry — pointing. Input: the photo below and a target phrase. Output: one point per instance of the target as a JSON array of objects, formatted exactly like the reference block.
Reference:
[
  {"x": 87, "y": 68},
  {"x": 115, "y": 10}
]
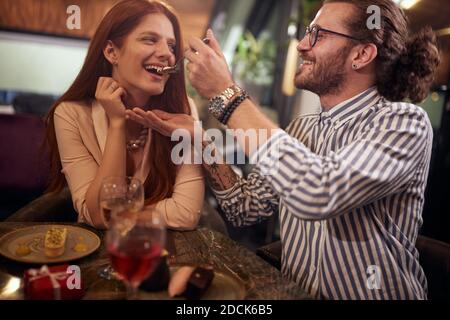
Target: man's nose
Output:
[{"x": 304, "y": 44}]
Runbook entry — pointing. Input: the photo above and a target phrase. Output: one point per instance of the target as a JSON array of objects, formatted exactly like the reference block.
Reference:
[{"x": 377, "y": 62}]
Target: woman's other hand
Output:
[
  {"x": 109, "y": 93},
  {"x": 163, "y": 122}
]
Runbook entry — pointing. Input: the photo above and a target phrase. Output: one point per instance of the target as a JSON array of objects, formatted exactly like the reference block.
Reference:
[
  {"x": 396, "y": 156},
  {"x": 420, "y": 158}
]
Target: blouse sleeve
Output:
[{"x": 78, "y": 165}]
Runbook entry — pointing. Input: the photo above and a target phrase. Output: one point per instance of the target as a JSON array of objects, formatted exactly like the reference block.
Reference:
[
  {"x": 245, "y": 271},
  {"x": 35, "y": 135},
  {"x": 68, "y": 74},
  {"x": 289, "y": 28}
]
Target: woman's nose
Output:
[{"x": 164, "y": 51}]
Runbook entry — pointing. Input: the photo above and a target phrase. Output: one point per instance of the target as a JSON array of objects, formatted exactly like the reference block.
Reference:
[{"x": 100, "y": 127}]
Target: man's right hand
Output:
[{"x": 109, "y": 93}]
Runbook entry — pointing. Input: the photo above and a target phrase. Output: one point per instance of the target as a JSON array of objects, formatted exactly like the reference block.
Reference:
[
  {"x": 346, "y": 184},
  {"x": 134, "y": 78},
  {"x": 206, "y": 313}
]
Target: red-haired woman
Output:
[{"x": 89, "y": 134}]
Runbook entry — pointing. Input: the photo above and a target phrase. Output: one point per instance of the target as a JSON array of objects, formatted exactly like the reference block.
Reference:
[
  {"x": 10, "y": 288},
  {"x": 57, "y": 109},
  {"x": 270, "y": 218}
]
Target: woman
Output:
[{"x": 89, "y": 134}]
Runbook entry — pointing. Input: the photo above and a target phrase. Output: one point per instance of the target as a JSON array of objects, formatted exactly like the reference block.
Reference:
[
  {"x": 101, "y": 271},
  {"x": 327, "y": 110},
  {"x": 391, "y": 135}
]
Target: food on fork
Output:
[{"x": 55, "y": 241}]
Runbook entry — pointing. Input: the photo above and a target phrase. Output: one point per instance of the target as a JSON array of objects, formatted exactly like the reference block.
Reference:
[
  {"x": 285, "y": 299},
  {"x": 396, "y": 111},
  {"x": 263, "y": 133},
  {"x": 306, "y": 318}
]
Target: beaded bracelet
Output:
[{"x": 232, "y": 107}]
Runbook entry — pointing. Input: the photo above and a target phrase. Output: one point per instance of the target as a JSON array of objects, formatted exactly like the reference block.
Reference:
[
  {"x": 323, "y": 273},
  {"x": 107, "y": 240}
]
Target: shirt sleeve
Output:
[
  {"x": 249, "y": 201},
  {"x": 78, "y": 165},
  {"x": 381, "y": 161}
]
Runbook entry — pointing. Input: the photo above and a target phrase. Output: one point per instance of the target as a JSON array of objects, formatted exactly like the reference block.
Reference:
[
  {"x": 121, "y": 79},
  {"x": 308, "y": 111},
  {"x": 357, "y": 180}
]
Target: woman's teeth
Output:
[{"x": 154, "y": 69}]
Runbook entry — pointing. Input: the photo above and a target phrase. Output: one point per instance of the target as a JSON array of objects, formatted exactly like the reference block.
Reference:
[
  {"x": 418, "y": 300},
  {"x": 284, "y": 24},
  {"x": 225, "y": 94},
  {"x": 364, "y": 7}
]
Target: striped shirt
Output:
[{"x": 349, "y": 188}]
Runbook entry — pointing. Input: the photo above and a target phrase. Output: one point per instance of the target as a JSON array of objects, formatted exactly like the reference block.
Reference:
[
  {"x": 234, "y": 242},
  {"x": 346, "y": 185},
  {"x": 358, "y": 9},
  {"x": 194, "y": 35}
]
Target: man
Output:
[{"x": 349, "y": 182}]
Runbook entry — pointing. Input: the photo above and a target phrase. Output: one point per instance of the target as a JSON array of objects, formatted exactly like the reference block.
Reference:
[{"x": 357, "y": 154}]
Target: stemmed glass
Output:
[
  {"x": 121, "y": 197},
  {"x": 135, "y": 252}
]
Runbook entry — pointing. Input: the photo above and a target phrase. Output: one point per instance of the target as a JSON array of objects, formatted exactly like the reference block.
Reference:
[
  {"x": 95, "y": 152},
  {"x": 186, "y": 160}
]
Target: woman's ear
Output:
[{"x": 111, "y": 52}]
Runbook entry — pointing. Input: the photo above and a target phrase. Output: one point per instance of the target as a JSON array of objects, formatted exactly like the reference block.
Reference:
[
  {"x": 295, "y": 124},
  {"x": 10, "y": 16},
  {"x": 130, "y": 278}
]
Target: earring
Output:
[{"x": 355, "y": 66}]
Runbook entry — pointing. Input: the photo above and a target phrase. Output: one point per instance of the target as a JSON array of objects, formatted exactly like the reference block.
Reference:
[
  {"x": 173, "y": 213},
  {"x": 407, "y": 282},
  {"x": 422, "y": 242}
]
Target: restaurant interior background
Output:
[{"x": 40, "y": 57}]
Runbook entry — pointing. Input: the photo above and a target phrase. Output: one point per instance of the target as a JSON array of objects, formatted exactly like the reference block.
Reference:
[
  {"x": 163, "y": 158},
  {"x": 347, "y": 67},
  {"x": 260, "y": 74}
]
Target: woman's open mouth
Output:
[{"x": 156, "y": 70}]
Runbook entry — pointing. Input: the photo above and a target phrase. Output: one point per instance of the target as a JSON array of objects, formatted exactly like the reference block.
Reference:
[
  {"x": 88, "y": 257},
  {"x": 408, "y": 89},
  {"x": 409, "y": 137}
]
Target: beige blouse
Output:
[{"x": 81, "y": 131}]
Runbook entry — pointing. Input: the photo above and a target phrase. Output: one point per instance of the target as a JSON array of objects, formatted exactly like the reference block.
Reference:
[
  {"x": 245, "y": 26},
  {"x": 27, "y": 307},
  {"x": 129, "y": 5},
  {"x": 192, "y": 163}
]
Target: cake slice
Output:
[{"x": 55, "y": 241}]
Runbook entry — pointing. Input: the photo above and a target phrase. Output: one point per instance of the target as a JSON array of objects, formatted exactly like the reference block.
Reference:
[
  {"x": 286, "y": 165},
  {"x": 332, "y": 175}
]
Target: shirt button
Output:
[
  {"x": 317, "y": 224},
  {"x": 312, "y": 269}
]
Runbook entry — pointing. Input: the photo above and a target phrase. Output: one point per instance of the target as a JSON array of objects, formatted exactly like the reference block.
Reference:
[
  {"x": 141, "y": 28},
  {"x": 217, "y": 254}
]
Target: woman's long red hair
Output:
[{"x": 120, "y": 21}]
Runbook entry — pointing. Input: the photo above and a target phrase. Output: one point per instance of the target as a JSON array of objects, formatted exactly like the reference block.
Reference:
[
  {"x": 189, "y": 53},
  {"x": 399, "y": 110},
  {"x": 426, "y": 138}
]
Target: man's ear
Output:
[
  {"x": 364, "y": 55},
  {"x": 111, "y": 52}
]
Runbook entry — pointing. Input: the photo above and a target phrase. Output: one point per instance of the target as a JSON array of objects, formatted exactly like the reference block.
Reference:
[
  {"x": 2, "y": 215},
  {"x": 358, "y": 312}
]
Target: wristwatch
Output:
[{"x": 218, "y": 104}]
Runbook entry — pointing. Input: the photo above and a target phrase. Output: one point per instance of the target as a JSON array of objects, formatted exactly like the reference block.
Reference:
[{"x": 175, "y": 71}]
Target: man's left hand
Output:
[{"x": 161, "y": 121}]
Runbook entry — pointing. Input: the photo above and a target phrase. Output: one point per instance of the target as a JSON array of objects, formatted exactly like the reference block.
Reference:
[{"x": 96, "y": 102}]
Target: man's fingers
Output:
[
  {"x": 192, "y": 56},
  {"x": 197, "y": 45},
  {"x": 135, "y": 117},
  {"x": 213, "y": 43},
  {"x": 159, "y": 125},
  {"x": 162, "y": 114}
]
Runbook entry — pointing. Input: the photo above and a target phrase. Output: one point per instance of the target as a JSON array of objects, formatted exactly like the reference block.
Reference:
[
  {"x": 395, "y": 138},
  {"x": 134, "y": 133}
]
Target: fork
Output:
[{"x": 176, "y": 67}]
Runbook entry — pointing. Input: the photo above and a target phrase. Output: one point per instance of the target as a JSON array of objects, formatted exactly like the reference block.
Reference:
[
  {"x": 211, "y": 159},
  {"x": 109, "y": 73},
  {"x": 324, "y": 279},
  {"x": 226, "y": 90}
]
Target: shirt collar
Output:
[{"x": 353, "y": 106}]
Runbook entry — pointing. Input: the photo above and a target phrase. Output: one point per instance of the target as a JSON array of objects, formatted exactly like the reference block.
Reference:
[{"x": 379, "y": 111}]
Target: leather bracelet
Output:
[{"x": 232, "y": 107}]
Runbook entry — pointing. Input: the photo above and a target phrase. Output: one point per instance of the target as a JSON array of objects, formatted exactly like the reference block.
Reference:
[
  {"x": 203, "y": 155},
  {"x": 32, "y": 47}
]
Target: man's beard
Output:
[{"x": 327, "y": 76}]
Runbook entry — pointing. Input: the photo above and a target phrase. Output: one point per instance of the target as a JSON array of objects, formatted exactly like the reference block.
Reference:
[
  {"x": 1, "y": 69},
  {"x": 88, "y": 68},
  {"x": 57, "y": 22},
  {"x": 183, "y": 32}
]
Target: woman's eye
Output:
[
  {"x": 149, "y": 40},
  {"x": 172, "y": 47}
]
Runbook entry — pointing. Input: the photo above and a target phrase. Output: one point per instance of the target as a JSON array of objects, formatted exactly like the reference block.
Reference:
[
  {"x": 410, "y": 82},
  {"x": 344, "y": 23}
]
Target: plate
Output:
[
  {"x": 224, "y": 286},
  {"x": 33, "y": 238}
]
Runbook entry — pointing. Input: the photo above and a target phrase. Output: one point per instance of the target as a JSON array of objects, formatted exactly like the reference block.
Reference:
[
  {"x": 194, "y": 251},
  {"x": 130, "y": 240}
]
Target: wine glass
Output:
[
  {"x": 124, "y": 195},
  {"x": 135, "y": 252},
  {"x": 117, "y": 192}
]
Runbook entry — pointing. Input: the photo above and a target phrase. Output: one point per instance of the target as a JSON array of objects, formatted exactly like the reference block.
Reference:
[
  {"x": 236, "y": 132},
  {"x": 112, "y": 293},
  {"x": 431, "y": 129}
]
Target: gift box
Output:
[
  {"x": 159, "y": 278},
  {"x": 52, "y": 283}
]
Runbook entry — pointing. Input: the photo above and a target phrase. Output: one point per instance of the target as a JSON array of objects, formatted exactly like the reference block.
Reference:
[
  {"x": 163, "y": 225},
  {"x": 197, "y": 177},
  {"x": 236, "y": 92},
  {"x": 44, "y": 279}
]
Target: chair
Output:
[
  {"x": 47, "y": 208},
  {"x": 32, "y": 103},
  {"x": 24, "y": 169},
  {"x": 271, "y": 253},
  {"x": 434, "y": 257}
]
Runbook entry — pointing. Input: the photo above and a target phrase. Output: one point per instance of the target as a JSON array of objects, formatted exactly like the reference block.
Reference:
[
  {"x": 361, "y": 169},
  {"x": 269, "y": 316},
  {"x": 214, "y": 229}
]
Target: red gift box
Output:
[{"x": 51, "y": 283}]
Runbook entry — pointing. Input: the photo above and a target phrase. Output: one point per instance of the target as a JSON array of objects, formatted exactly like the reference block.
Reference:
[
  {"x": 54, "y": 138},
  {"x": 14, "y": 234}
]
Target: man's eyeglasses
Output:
[{"x": 313, "y": 33}]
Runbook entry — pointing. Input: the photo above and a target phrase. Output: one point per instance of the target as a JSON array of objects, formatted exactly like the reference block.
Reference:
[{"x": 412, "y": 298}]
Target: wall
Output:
[
  {"x": 48, "y": 64},
  {"x": 50, "y": 16},
  {"x": 39, "y": 64}
]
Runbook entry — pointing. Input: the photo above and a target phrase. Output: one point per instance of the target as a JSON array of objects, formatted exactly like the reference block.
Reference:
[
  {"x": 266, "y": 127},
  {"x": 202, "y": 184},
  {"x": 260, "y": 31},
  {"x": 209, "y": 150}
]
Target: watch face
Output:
[{"x": 216, "y": 106}]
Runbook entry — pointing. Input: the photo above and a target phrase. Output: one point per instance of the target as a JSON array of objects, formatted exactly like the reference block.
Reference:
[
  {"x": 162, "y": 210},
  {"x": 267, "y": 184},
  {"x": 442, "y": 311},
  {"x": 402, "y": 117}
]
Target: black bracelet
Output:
[{"x": 232, "y": 107}]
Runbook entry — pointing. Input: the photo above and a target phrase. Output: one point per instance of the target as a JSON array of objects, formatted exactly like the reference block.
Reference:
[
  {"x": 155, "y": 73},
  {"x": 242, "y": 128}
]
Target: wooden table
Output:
[{"x": 261, "y": 280}]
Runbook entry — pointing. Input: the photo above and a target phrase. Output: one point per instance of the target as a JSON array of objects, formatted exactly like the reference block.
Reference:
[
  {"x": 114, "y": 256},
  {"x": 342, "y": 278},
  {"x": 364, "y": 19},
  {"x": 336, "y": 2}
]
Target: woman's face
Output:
[{"x": 151, "y": 43}]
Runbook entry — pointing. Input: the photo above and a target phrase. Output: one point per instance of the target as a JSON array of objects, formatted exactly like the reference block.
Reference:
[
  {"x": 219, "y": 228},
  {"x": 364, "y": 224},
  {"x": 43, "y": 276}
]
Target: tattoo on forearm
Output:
[{"x": 220, "y": 175}]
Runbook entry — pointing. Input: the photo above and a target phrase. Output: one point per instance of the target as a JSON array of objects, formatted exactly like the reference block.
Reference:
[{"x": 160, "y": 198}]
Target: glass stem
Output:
[{"x": 132, "y": 291}]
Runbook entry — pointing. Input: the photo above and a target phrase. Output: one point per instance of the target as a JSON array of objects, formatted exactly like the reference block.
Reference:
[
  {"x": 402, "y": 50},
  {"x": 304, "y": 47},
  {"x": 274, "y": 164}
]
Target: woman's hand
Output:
[
  {"x": 110, "y": 94},
  {"x": 163, "y": 122}
]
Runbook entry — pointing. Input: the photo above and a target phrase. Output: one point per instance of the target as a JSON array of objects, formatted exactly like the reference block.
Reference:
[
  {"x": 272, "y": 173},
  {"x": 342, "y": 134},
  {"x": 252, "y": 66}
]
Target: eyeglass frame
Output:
[{"x": 309, "y": 31}]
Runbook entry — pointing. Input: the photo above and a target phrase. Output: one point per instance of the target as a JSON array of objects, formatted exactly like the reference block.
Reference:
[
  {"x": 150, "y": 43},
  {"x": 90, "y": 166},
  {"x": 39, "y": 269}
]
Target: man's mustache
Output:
[{"x": 307, "y": 58}]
